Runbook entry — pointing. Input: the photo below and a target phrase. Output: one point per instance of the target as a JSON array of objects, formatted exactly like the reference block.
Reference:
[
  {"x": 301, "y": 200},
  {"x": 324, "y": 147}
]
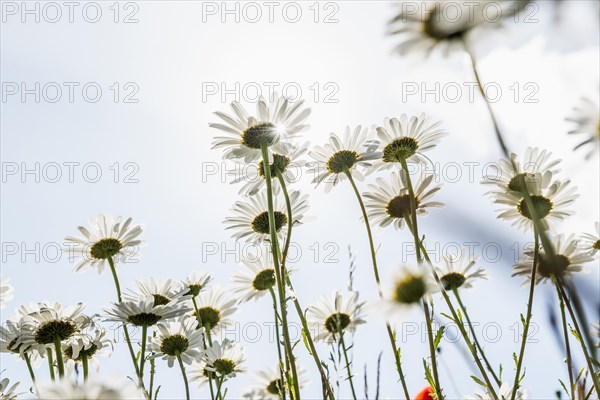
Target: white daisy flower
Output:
[
  {"x": 591, "y": 242},
  {"x": 508, "y": 179},
  {"x": 6, "y": 292},
  {"x": 107, "y": 238},
  {"x": 410, "y": 288},
  {"x": 426, "y": 25},
  {"x": 505, "y": 393},
  {"x": 163, "y": 291},
  {"x": 7, "y": 392},
  {"x": 177, "y": 339},
  {"x": 389, "y": 200},
  {"x": 254, "y": 280},
  {"x": 214, "y": 308},
  {"x": 89, "y": 343},
  {"x": 341, "y": 156},
  {"x": 225, "y": 359},
  {"x": 53, "y": 323},
  {"x": 550, "y": 201},
  {"x": 569, "y": 259},
  {"x": 273, "y": 125},
  {"x": 195, "y": 283},
  {"x": 251, "y": 217},
  {"x": 107, "y": 389},
  {"x": 342, "y": 315},
  {"x": 407, "y": 139},
  {"x": 586, "y": 116},
  {"x": 16, "y": 337},
  {"x": 145, "y": 311},
  {"x": 288, "y": 164},
  {"x": 268, "y": 384},
  {"x": 457, "y": 272}
]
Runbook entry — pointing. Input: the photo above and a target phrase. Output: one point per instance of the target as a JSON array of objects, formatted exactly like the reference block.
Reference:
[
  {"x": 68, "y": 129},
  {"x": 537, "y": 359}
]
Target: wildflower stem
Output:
[
  {"x": 210, "y": 381},
  {"x": 278, "y": 272},
  {"x": 143, "y": 354},
  {"x": 563, "y": 318},
  {"x": 207, "y": 333},
  {"x": 391, "y": 334},
  {"x": 185, "y": 380},
  {"x": 586, "y": 353},
  {"x": 345, "y": 350},
  {"x": 532, "y": 284},
  {"x": 311, "y": 345},
  {"x": 59, "y": 358},
  {"x": 84, "y": 363},
  {"x": 152, "y": 373},
  {"x": 220, "y": 380},
  {"x": 29, "y": 368},
  {"x": 475, "y": 341},
  {"x": 281, "y": 365},
  {"x": 50, "y": 363}
]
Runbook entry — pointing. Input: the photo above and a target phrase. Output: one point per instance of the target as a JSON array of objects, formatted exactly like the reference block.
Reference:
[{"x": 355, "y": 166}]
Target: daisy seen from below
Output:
[
  {"x": 145, "y": 311},
  {"x": 335, "y": 318},
  {"x": 6, "y": 292},
  {"x": 251, "y": 217},
  {"x": 177, "y": 339},
  {"x": 389, "y": 201},
  {"x": 214, "y": 308},
  {"x": 287, "y": 164},
  {"x": 163, "y": 291},
  {"x": 16, "y": 337},
  {"x": 586, "y": 117},
  {"x": 225, "y": 360},
  {"x": 254, "y": 279},
  {"x": 405, "y": 140},
  {"x": 195, "y": 283},
  {"x": 342, "y": 156},
  {"x": 268, "y": 384},
  {"x": 505, "y": 393},
  {"x": 550, "y": 201},
  {"x": 85, "y": 346},
  {"x": 410, "y": 289},
  {"x": 275, "y": 123},
  {"x": 569, "y": 259},
  {"x": 7, "y": 392},
  {"x": 107, "y": 240},
  {"x": 91, "y": 390},
  {"x": 457, "y": 271},
  {"x": 591, "y": 242}
]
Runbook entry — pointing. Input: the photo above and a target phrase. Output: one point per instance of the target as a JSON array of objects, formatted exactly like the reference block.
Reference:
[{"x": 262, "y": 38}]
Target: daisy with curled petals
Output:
[
  {"x": 505, "y": 393},
  {"x": 6, "y": 292},
  {"x": 86, "y": 346},
  {"x": 163, "y": 291},
  {"x": 176, "y": 339},
  {"x": 586, "y": 116},
  {"x": 389, "y": 200},
  {"x": 225, "y": 360},
  {"x": 337, "y": 317},
  {"x": 107, "y": 240},
  {"x": 404, "y": 140},
  {"x": 254, "y": 280},
  {"x": 195, "y": 283},
  {"x": 274, "y": 124},
  {"x": 214, "y": 308},
  {"x": 145, "y": 311},
  {"x": 268, "y": 384},
  {"x": 457, "y": 272},
  {"x": 251, "y": 217},
  {"x": 91, "y": 390},
  {"x": 410, "y": 289},
  {"x": 7, "y": 392},
  {"x": 341, "y": 157},
  {"x": 550, "y": 201},
  {"x": 510, "y": 176},
  {"x": 568, "y": 259},
  {"x": 286, "y": 164},
  {"x": 591, "y": 242}
]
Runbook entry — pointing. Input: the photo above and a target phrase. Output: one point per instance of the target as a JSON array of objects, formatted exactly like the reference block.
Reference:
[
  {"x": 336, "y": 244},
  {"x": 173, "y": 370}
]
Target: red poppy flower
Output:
[{"x": 426, "y": 394}]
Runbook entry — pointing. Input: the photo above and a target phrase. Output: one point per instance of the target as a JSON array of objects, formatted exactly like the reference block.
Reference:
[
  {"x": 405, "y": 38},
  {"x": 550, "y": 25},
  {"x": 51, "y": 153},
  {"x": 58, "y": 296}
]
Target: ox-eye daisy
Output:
[
  {"x": 145, "y": 311},
  {"x": 254, "y": 280},
  {"x": 457, "y": 272},
  {"x": 177, "y": 339},
  {"x": 6, "y": 292},
  {"x": 591, "y": 242},
  {"x": 53, "y": 323},
  {"x": 86, "y": 345},
  {"x": 214, "y": 307},
  {"x": 268, "y": 384},
  {"x": 273, "y": 125},
  {"x": 195, "y": 283},
  {"x": 7, "y": 392},
  {"x": 163, "y": 291},
  {"x": 337, "y": 316},
  {"x": 410, "y": 288},
  {"x": 505, "y": 393},
  {"x": 225, "y": 360},
  {"x": 586, "y": 116}
]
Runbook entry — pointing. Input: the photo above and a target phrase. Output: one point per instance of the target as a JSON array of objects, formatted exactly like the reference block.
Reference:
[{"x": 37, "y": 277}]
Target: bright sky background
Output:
[{"x": 172, "y": 55}]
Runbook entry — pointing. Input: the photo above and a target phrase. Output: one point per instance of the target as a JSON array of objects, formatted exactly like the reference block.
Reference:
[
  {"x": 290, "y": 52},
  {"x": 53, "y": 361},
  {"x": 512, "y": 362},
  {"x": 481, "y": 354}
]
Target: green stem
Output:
[
  {"x": 152, "y": 373},
  {"x": 185, "y": 380},
  {"x": 84, "y": 363},
  {"x": 50, "y": 363},
  {"x": 281, "y": 365},
  {"x": 391, "y": 335},
  {"x": 345, "y": 350},
  {"x": 586, "y": 353},
  {"x": 532, "y": 285},
  {"x": 280, "y": 282},
  {"x": 143, "y": 354},
  {"x": 220, "y": 380},
  {"x": 29, "y": 368},
  {"x": 208, "y": 336},
  {"x": 475, "y": 341},
  {"x": 59, "y": 357},
  {"x": 563, "y": 318}
]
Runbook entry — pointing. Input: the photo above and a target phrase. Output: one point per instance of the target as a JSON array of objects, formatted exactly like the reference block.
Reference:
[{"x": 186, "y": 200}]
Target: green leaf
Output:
[
  {"x": 479, "y": 381},
  {"x": 438, "y": 337}
]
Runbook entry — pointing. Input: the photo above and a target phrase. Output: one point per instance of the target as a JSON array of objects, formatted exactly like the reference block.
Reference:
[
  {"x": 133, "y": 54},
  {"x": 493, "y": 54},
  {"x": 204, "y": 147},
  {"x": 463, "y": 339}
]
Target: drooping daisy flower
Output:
[
  {"x": 225, "y": 359},
  {"x": 568, "y": 259},
  {"x": 145, "y": 311},
  {"x": 255, "y": 280},
  {"x": 273, "y": 125},
  {"x": 195, "y": 283},
  {"x": 340, "y": 316},
  {"x": 591, "y": 242},
  {"x": 52, "y": 323},
  {"x": 457, "y": 272},
  {"x": 6, "y": 292},
  {"x": 7, "y": 392},
  {"x": 107, "y": 389},
  {"x": 406, "y": 139},
  {"x": 587, "y": 117},
  {"x": 107, "y": 238},
  {"x": 410, "y": 288},
  {"x": 16, "y": 337},
  {"x": 215, "y": 306},
  {"x": 505, "y": 393},
  {"x": 163, "y": 291},
  {"x": 550, "y": 201},
  {"x": 341, "y": 156},
  {"x": 253, "y": 175},
  {"x": 268, "y": 384},
  {"x": 251, "y": 217},
  {"x": 423, "y": 26},
  {"x": 177, "y": 339},
  {"x": 389, "y": 200},
  {"x": 89, "y": 344},
  {"x": 508, "y": 179}
]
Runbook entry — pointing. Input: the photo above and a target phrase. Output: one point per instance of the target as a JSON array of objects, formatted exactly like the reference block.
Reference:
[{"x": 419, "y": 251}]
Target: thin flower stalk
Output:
[
  {"x": 85, "y": 366},
  {"x": 569, "y": 360},
  {"x": 185, "y": 380},
  {"x": 143, "y": 354},
  {"x": 278, "y": 343},
  {"x": 50, "y": 363},
  {"x": 204, "y": 340},
  {"x": 348, "y": 368},
  {"x": 29, "y": 368}
]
